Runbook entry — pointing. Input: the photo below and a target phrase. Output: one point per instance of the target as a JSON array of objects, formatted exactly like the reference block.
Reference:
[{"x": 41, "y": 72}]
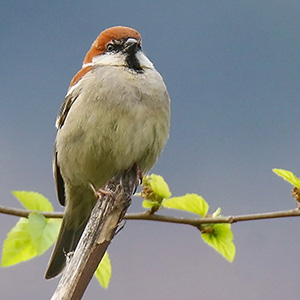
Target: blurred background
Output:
[{"x": 232, "y": 69}]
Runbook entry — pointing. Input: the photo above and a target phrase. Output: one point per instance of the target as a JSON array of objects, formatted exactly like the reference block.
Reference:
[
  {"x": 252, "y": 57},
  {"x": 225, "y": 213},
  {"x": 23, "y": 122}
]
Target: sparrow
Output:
[{"x": 116, "y": 115}]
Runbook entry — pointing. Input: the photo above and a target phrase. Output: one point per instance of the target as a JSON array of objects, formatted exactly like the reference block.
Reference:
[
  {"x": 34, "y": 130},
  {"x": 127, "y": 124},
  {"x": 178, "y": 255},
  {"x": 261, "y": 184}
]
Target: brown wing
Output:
[
  {"x": 64, "y": 109},
  {"x": 59, "y": 181},
  {"x": 61, "y": 117}
]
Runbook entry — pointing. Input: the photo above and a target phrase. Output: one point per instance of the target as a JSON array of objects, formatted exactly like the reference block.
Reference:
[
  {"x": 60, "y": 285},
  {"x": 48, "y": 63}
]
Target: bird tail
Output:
[{"x": 67, "y": 241}]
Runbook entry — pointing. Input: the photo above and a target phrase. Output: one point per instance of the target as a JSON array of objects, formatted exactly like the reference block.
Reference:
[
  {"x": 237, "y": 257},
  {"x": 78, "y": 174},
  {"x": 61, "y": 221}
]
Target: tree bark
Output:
[{"x": 105, "y": 218}]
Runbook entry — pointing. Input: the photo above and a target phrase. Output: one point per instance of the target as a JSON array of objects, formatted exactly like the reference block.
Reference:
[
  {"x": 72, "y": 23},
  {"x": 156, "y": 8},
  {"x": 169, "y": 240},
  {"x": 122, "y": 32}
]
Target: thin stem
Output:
[
  {"x": 24, "y": 213},
  {"x": 169, "y": 219},
  {"x": 227, "y": 219}
]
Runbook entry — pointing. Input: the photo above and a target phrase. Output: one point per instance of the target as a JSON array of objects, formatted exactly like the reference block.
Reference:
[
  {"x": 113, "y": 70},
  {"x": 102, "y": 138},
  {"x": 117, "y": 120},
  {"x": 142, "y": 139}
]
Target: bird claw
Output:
[
  {"x": 121, "y": 225},
  {"x": 99, "y": 193},
  {"x": 68, "y": 255},
  {"x": 139, "y": 177}
]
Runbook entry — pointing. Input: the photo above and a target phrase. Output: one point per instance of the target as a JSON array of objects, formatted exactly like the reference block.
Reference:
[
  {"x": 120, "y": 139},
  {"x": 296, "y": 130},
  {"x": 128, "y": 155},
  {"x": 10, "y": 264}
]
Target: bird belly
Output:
[{"x": 111, "y": 134}]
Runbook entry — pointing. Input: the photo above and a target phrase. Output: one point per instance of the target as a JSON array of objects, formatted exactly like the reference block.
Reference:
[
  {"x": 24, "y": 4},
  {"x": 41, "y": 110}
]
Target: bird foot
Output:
[
  {"x": 139, "y": 175},
  {"x": 99, "y": 193}
]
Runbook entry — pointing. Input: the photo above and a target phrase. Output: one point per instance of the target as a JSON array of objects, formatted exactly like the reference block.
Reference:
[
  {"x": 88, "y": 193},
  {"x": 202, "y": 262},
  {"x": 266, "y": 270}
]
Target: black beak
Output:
[{"x": 132, "y": 46}]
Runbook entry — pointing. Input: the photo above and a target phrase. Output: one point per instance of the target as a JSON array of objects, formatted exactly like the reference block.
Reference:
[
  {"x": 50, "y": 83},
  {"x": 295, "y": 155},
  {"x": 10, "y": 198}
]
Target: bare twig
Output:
[
  {"x": 24, "y": 213},
  {"x": 227, "y": 219},
  {"x": 169, "y": 219}
]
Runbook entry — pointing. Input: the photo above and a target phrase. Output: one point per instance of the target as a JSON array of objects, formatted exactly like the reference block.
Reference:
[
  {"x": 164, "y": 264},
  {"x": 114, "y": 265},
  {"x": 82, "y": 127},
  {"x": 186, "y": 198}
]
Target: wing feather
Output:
[
  {"x": 64, "y": 110},
  {"x": 59, "y": 181},
  {"x": 61, "y": 117}
]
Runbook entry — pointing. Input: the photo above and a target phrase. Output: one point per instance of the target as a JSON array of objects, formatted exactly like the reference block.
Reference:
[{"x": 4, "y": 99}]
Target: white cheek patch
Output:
[
  {"x": 118, "y": 59},
  {"x": 109, "y": 59},
  {"x": 144, "y": 61}
]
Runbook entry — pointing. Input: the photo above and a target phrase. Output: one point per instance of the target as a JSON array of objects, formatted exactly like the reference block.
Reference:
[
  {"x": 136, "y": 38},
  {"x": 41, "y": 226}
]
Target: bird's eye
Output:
[{"x": 110, "y": 47}]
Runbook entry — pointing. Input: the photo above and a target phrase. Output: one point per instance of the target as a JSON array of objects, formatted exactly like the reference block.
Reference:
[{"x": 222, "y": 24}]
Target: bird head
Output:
[{"x": 118, "y": 46}]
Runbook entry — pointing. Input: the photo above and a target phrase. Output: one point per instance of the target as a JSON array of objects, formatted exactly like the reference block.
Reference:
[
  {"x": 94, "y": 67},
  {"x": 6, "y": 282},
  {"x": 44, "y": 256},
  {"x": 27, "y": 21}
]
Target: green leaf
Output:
[
  {"x": 29, "y": 238},
  {"x": 150, "y": 204},
  {"x": 288, "y": 176},
  {"x": 43, "y": 232},
  {"x": 17, "y": 246},
  {"x": 159, "y": 186},
  {"x": 33, "y": 201},
  {"x": 217, "y": 212},
  {"x": 103, "y": 272},
  {"x": 155, "y": 190},
  {"x": 190, "y": 202},
  {"x": 220, "y": 238}
]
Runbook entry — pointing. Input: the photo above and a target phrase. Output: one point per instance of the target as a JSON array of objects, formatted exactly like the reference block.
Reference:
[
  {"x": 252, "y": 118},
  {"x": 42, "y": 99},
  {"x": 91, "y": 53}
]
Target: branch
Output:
[
  {"x": 168, "y": 219},
  {"x": 227, "y": 219},
  {"x": 105, "y": 218},
  {"x": 24, "y": 213}
]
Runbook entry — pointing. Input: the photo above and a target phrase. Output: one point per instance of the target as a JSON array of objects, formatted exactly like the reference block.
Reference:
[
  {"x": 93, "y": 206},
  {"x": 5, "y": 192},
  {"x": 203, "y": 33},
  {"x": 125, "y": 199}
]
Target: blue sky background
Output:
[{"x": 232, "y": 69}]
